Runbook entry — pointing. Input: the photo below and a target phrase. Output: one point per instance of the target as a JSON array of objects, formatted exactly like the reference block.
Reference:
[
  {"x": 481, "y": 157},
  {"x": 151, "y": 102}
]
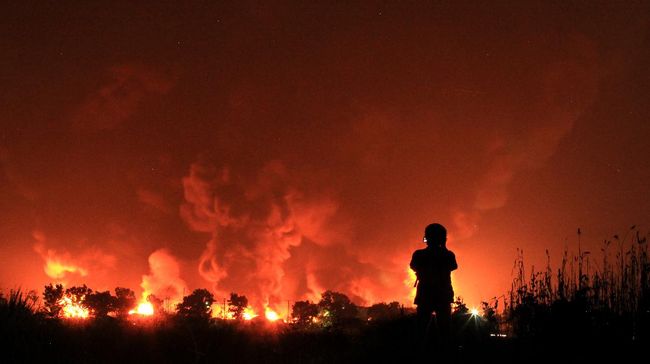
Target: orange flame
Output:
[
  {"x": 72, "y": 309},
  {"x": 143, "y": 309},
  {"x": 271, "y": 315},
  {"x": 218, "y": 312},
  {"x": 249, "y": 314}
]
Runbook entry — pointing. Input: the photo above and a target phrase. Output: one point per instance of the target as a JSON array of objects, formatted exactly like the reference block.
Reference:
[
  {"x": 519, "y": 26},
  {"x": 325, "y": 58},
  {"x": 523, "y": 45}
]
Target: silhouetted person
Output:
[{"x": 433, "y": 266}]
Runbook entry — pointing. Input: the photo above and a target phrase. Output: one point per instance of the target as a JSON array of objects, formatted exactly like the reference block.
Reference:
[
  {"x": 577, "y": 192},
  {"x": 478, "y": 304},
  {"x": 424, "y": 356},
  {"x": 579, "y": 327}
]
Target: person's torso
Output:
[{"x": 434, "y": 268}]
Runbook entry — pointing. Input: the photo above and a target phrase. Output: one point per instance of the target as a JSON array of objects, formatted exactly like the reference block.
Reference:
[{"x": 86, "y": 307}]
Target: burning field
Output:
[
  {"x": 251, "y": 181},
  {"x": 264, "y": 234},
  {"x": 544, "y": 318},
  {"x": 578, "y": 313}
]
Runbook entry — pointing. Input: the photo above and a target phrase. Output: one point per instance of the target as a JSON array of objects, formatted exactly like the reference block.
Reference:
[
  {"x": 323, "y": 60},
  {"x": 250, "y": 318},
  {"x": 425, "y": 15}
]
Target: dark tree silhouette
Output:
[
  {"x": 52, "y": 296},
  {"x": 237, "y": 304},
  {"x": 382, "y": 311},
  {"x": 490, "y": 315},
  {"x": 304, "y": 312},
  {"x": 196, "y": 305},
  {"x": 124, "y": 301},
  {"x": 336, "y": 308},
  {"x": 78, "y": 294},
  {"x": 101, "y": 303},
  {"x": 460, "y": 308}
]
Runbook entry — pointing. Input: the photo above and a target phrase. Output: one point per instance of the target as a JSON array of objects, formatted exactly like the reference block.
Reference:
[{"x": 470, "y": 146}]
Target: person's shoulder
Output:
[
  {"x": 450, "y": 253},
  {"x": 419, "y": 252}
]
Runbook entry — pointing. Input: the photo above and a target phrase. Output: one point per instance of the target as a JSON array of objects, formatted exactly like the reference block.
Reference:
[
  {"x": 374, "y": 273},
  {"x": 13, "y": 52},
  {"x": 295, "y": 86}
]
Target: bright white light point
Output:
[
  {"x": 474, "y": 312},
  {"x": 248, "y": 314},
  {"x": 145, "y": 309},
  {"x": 271, "y": 315}
]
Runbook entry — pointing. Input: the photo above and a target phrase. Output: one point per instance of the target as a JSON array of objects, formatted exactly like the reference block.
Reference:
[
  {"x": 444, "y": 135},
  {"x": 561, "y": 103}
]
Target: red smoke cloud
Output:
[
  {"x": 163, "y": 279},
  {"x": 383, "y": 125},
  {"x": 154, "y": 200},
  {"x": 566, "y": 88},
  {"x": 15, "y": 179},
  {"x": 64, "y": 267},
  {"x": 119, "y": 97},
  {"x": 254, "y": 222},
  {"x": 273, "y": 241}
]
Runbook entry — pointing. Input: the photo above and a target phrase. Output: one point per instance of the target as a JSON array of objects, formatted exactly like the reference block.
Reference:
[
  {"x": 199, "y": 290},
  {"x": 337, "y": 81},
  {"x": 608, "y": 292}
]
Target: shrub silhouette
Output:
[
  {"x": 304, "y": 312},
  {"x": 336, "y": 309},
  {"x": 382, "y": 311},
  {"x": 52, "y": 296},
  {"x": 196, "y": 305},
  {"x": 124, "y": 301},
  {"x": 101, "y": 303},
  {"x": 237, "y": 304}
]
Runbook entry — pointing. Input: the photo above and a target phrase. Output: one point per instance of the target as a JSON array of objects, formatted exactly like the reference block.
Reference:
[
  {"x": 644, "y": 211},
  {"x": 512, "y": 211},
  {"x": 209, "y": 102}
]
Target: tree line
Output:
[{"x": 333, "y": 309}]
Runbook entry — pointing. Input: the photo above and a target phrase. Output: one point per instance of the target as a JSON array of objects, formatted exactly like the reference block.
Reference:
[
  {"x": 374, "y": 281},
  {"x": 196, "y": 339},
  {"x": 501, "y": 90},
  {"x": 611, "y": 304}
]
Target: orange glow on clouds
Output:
[
  {"x": 293, "y": 193},
  {"x": 56, "y": 269},
  {"x": 56, "y": 265}
]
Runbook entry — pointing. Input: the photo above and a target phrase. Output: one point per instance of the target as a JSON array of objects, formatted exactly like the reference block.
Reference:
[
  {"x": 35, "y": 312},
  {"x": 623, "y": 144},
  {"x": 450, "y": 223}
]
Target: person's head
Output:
[{"x": 435, "y": 235}]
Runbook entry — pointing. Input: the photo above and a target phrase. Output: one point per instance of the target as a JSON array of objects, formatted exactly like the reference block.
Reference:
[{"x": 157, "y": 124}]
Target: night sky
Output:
[{"x": 280, "y": 149}]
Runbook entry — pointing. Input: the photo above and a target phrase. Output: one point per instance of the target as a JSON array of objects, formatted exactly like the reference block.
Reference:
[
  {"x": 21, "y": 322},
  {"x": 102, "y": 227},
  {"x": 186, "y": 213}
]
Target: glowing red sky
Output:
[{"x": 277, "y": 150}]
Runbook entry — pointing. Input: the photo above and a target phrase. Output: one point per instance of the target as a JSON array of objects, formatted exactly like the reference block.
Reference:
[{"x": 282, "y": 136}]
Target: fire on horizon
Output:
[{"x": 279, "y": 151}]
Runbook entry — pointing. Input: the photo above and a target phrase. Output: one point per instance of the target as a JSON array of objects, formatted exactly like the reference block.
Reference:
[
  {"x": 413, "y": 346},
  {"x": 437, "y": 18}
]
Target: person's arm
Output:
[
  {"x": 452, "y": 262},
  {"x": 414, "y": 262}
]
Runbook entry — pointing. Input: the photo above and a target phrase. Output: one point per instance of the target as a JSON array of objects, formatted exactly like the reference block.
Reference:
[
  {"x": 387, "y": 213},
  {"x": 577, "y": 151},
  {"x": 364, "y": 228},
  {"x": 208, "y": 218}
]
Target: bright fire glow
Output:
[
  {"x": 249, "y": 314},
  {"x": 73, "y": 309},
  {"x": 474, "y": 312},
  {"x": 57, "y": 269},
  {"x": 410, "y": 283},
  {"x": 218, "y": 312},
  {"x": 271, "y": 315},
  {"x": 144, "y": 309}
]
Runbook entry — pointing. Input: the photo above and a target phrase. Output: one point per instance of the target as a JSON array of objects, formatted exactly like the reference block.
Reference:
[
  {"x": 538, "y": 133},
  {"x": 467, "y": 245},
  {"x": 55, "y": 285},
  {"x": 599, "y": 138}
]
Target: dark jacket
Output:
[{"x": 433, "y": 267}]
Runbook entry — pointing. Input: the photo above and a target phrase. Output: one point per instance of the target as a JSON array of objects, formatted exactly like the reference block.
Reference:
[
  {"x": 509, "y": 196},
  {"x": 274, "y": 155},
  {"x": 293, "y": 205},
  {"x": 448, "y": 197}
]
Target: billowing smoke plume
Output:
[
  {"x": 255, "y": 224},
  {"x": 119, "y": 98},
  {"x": 567, "y": 87},
  {"x": 163, "y": 279}
]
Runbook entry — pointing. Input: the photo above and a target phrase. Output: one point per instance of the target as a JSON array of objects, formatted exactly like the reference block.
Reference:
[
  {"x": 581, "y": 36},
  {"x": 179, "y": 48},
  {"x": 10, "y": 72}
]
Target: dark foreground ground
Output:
[{"x": 172, "y": 340}]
